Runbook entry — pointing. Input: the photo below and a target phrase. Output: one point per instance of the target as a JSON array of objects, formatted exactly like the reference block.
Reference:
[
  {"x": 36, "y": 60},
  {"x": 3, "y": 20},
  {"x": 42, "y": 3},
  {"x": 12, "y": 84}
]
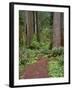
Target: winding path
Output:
[{"x": 37, "y": 70}]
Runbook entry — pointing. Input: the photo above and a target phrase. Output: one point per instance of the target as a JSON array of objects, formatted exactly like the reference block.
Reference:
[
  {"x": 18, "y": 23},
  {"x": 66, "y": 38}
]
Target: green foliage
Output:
[
  {"x": 56, "y": 52},
  {"x": 45, "y": 20},
  {"x": 56, "y": 66},
  {"x": 23, "y": 58},
  {"x": 61, "y": 59},
  {"x": 34, "y": 45},
  {"x": 27, "y": 56}
]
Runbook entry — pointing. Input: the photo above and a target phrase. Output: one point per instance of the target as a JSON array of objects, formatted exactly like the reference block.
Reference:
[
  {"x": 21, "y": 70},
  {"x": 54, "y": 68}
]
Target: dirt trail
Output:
[{"x": 37, "y": 70}]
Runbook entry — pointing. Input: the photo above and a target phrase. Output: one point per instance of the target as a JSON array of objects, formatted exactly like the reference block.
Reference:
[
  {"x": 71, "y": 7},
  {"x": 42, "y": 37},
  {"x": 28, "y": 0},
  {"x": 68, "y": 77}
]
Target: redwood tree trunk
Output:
[
  {"x": 62, "y": 29},
  {"x": 57, "y": 29},
  {"x": 36, "y": 25},
  {"x": 29, "y": 27}
]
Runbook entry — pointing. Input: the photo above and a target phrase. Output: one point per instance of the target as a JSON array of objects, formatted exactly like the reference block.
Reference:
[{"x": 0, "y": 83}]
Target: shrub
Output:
[
  {"x": 61, "y": 59},
  {"x": 56, "y": 66},
  {"x": 23, "y": 58},
  {"x": 57, "y": 51},
  {"x": 34, "y": 45}
]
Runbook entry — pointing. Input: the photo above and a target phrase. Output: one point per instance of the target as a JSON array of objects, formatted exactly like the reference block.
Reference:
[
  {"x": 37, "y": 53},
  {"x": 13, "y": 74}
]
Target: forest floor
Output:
[
  {"x": 43, "y": 68},
  {"x": 35, "y": 65},
  {"x": 36, "y": 70}
]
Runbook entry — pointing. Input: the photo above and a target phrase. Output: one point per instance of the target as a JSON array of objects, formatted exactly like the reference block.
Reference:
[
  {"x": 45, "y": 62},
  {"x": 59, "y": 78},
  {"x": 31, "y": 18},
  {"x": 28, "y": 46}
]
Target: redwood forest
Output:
[{"x": 41, "y": 44}]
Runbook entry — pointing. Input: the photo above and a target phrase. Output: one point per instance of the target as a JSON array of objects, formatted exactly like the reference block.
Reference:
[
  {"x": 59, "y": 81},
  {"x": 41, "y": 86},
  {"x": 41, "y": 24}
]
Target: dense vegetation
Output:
[{"x": 43, "y": 47}]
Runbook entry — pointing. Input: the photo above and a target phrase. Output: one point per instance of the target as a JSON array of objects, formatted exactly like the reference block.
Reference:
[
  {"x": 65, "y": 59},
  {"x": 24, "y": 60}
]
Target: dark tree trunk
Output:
[
  {"x": 62, "y": 29},
  {"x": 35, "y": 21},
  {"x": 37, "y": 27},
  {"x": 57, "y": 29},
  {"x": 29, "y": 27}
]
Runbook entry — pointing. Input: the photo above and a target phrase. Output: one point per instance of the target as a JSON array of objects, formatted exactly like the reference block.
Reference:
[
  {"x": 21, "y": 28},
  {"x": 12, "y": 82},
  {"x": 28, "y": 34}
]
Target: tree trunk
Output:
[
  {"x": 29, "y": 27},
  {"x": 35, "y": 21},
  {"x": 62, "y": 29},
  {"x": 37, "y": 27},
  {"x": 35, "y": 24},
  {"x": 57, "y": 29}
]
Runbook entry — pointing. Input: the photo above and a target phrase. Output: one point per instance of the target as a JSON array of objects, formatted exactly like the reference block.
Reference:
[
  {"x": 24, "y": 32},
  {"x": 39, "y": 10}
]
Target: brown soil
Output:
[{"x": 36, "y": 70}]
